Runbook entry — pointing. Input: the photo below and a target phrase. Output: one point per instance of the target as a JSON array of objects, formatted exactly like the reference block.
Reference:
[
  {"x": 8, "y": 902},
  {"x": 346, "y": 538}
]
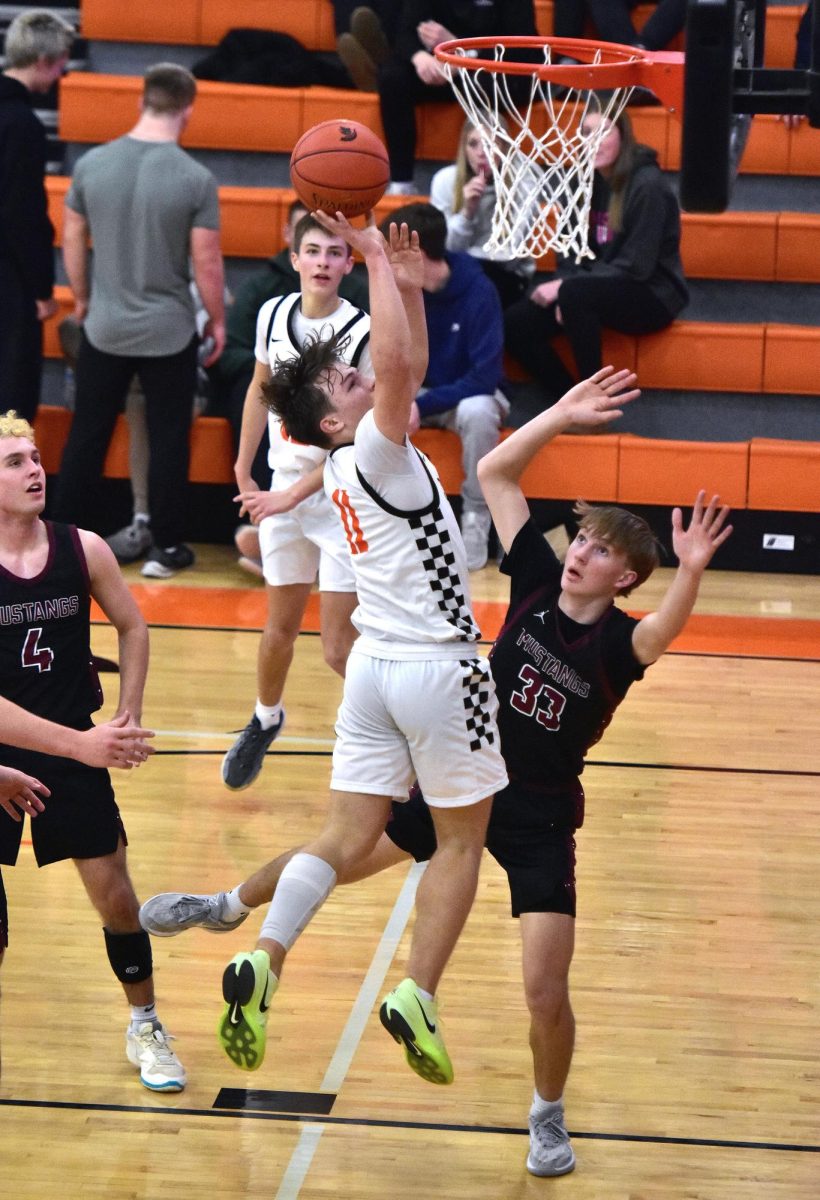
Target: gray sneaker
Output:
[
  {"x": 551, "y": 1152},
  {"x": 169, "y": 913},
  {"x": 132, "y": 542},
  {"x": 244, "y": 760}
]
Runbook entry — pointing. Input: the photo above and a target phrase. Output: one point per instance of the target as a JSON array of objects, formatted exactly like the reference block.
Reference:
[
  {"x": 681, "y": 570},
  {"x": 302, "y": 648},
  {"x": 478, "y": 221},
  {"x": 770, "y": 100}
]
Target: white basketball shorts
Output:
[
  {"x": 431, "y": 719},
  {"x": 308, "y": 540}
]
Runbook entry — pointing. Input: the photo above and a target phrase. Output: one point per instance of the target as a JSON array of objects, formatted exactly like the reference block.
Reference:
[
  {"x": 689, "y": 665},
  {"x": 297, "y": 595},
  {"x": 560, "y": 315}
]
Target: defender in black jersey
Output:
[
  {"x": 48, "y": 576},
  {"x": 563, "y": 661}
]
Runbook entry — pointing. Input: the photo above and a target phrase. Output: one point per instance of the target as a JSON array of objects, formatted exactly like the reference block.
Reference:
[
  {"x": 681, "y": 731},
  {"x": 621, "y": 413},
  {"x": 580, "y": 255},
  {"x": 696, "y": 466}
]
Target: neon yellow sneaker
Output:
[
  {"x": 413, "y": 1021},
  {"x": 248, "y": 985}
]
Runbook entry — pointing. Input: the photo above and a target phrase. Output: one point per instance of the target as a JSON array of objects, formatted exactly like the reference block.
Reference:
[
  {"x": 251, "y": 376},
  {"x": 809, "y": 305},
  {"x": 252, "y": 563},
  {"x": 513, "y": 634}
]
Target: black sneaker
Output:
[
  {"x": 162, "y": 564},
  {"x": 244, "y": 760}
]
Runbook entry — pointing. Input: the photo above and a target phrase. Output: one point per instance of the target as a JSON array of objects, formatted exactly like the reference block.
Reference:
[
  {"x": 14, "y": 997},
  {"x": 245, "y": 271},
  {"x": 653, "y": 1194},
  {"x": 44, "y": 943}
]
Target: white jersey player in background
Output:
[{"x": 299, "y": 534}]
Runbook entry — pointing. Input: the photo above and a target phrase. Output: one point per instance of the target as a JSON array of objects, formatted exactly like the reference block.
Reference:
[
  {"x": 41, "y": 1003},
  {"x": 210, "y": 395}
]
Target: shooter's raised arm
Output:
[{"x": 391, "y": 350}]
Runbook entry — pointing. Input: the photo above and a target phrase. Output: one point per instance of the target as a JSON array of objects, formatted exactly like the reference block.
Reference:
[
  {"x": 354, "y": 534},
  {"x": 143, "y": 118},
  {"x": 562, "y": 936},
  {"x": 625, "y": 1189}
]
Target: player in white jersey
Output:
[
  {"x": 299, "y": 534},
  {"x": 418, "y": 700}
]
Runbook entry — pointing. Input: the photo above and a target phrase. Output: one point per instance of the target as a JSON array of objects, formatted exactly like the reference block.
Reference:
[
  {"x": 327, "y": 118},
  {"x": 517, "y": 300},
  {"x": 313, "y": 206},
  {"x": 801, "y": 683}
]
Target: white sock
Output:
[
  {"x": 545, "y": 1108},
  {"x": 424, "y": 995},
  {"x": 267, "y": 714},
  {"x": 303, "y": 887},
  {"x": 234, "y": 907},
  {"x": 142, "y": 1014}
]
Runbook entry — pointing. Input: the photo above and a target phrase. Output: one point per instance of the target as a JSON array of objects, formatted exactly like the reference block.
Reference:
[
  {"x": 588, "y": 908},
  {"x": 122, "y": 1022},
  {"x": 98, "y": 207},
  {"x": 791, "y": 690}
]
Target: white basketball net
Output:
[{"x": 543, "y": 180}]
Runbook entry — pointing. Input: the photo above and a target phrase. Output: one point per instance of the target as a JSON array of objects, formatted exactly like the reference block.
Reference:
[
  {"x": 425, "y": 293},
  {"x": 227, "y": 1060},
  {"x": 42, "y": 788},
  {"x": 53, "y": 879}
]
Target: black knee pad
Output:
[{"x": 129, "y": 955}]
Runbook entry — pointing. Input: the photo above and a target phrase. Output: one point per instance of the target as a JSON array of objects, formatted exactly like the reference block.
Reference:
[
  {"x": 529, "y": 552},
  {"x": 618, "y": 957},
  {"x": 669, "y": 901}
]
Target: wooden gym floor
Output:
[{"x": 694, "y": 983}]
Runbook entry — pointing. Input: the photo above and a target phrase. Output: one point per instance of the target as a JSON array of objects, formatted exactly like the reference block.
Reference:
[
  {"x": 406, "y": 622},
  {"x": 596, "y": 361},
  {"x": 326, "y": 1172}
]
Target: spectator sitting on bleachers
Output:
[
  {"x": 466, "y": 339},
  {"x": 465, "y": 193},
  {"x": 412, "y": 75},
  {"x": 613, "y": 22},
  {"x": 233, "y": 372},
  {"x": 635, "y": 283},
  {"x": 364, "y": 36}
]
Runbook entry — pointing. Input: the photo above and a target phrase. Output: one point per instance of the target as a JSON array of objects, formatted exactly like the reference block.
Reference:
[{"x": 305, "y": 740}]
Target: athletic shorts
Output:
[
  {"x": 539, "y": 863},
  {"x": 80, "y": 820},
  {"x": 428, "y": 719},
  {"x": 308, "y": 540}
]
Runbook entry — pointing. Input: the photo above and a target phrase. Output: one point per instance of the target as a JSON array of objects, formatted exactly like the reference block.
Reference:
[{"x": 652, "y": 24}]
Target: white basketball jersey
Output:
[
  {"x": 410, "y": 564},
  {"x": 281, "y": 330}
]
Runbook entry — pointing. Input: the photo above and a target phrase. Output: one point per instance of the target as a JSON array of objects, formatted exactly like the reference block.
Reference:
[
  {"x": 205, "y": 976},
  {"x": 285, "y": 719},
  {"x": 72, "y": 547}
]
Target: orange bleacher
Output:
[
  {"x": 732, "y": 245},
  {"x": 98, "y": 107},
  {"x": 761, "y": 474},
  {"x": 205, "y": 22}
]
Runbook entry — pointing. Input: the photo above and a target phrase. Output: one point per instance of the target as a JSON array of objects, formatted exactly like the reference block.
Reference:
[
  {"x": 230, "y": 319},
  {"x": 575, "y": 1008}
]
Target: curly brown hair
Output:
[{"x": 295, "y": 393}]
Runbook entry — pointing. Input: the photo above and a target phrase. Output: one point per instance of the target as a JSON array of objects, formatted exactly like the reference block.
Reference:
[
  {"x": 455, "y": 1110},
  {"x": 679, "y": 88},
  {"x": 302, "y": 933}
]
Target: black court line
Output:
[
  {"x": 431, "y": 1126},
  {"x": 590, "y": 762},
  {"x": 312, "y": 633}
]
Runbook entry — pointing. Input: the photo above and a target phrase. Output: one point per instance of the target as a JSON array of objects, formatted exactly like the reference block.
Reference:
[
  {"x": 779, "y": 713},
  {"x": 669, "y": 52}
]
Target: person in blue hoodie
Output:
[
  {"x": 465, "y": 332},
  {"x": 634, "y": 284}
]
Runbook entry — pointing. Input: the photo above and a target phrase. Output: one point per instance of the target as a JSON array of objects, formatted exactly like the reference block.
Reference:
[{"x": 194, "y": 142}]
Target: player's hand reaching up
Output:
[
  {"x": 19, "y": 791},
  {"x": 599, "y": 399},
  {"x": 405, "y": 257},
  {"x": 367, "y": 241},
  {"x": 707, "y": 530}
]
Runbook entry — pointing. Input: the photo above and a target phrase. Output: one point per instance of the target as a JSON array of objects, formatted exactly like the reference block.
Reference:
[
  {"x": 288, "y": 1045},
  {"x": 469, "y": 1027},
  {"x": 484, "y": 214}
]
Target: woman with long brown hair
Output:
[{"x": 635, "y": 282}]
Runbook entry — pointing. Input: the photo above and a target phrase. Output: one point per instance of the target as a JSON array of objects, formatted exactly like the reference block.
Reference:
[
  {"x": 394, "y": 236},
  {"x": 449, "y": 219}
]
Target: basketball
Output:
[{"x": 339, "y": 166}]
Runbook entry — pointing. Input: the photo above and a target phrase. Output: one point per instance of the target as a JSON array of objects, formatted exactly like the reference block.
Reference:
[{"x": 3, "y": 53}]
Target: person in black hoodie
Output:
[
  {"x": 37, "y": 45},
  {"x": 635, "y": 283}
]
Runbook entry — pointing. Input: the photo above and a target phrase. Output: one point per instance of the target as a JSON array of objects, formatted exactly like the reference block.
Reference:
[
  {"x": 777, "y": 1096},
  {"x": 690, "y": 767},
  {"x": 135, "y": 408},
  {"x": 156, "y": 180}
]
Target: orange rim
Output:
[{"x": 618, "y": 66}]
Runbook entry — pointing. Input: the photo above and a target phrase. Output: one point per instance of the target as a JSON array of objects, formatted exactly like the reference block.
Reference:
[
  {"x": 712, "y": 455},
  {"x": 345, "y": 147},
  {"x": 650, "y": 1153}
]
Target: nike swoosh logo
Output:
[
  {"x": 431, "y": 1028},
  {"x": 235, "y": 1014},
  {"x": 264, "y": 1005}
]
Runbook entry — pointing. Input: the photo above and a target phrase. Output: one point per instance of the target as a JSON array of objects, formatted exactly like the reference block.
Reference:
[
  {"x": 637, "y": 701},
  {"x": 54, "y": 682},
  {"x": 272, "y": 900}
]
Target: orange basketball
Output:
[{"x": 339, "y": 166}]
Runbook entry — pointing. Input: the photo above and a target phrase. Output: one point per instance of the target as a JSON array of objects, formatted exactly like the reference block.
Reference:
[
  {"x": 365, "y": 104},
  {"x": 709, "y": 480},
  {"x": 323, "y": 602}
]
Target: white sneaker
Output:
[
  {"x": 551, "y": 1152},
  {"x": 475, "y": 529},
  {"x": 147, "y": 1048}
]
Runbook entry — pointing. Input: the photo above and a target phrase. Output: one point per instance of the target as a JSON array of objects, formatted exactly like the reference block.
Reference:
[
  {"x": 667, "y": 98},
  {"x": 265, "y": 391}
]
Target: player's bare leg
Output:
[
  {"x": 338, "y": 634},
  {"x": 443, "y": 901},
  {"x": 548, "y": 941},
  {"x": 110, "y": 890}
]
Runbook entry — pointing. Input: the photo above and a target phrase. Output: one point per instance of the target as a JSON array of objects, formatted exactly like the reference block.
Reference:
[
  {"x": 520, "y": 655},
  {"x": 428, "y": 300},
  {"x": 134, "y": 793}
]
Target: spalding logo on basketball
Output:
[{"x": 339, "y": 166}]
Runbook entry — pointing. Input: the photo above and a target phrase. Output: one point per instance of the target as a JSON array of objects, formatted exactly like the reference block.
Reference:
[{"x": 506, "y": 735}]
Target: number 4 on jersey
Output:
[{"x": 35, "y": 655}]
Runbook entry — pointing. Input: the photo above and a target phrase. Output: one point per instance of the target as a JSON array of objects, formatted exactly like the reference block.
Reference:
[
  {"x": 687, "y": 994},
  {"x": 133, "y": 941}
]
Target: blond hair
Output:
[
  {"x": 625, "y": 532},
  {"x": 37, "y": 34},
  {"x": 13, "y": 426}
]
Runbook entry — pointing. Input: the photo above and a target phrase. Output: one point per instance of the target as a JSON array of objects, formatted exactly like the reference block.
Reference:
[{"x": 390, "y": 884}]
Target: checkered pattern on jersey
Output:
[
  {"x": 475, "y": 682},
  {"x": 438, "y": 559}
]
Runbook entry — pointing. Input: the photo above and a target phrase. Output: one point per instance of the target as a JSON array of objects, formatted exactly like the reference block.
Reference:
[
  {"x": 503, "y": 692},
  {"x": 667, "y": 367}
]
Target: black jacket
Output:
[
  {"x": 647, "y": 248},
  {"x": 26, "y": 233}
]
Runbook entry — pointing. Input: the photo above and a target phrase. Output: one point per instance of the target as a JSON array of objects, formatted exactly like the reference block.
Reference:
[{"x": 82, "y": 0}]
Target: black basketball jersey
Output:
[
  {"x": 558, "y": 682},
  {"x": 45, "y": 652}
]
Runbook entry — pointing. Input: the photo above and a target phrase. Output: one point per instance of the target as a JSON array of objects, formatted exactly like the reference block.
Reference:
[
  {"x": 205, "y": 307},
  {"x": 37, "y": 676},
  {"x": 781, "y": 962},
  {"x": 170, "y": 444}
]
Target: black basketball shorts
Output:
[
  {"x": 538, "y": 858},
  {"x": 81, "y": 818}
]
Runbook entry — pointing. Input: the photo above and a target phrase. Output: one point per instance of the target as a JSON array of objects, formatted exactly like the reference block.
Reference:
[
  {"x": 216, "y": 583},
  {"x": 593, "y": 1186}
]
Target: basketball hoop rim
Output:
[{"x": 620, "y": 66}]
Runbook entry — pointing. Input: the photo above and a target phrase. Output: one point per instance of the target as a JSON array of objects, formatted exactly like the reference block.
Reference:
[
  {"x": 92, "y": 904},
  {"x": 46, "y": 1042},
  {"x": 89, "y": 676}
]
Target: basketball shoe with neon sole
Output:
[
  {"x": 413, "y": 1022},
  {"x": 248, "y": 985}
]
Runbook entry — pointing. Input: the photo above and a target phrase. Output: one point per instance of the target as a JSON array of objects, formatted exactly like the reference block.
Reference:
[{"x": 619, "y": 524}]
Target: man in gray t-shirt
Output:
[{"x": 152, "y": 213}]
